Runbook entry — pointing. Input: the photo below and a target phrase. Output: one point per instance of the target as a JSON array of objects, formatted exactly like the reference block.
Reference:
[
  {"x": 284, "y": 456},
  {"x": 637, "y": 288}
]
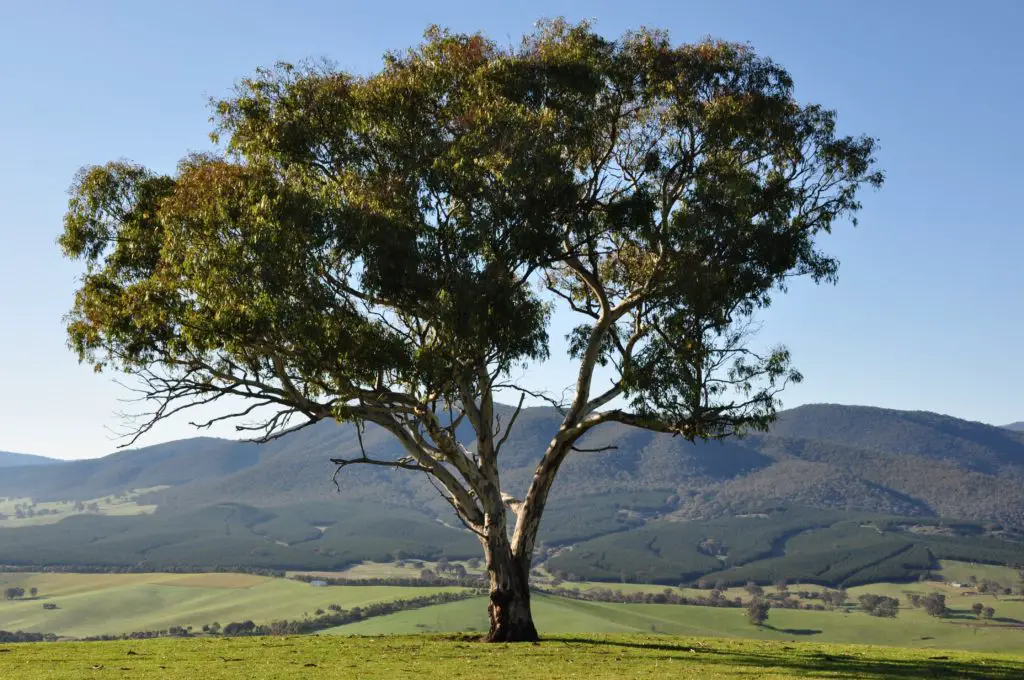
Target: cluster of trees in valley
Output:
[
  {"x": 22, "y": 636},
  {"x": 17, "y": 592},
  {"x": 716, "y": 597}
]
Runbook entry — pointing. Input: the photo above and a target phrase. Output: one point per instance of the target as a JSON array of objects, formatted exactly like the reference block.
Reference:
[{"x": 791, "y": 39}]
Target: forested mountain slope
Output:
[{"x": 826, "y": 456}]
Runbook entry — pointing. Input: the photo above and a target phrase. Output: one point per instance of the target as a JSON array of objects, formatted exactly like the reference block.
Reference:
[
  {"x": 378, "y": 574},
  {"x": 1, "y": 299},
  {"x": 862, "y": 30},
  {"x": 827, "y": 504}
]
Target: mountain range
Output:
[
  {"x": 8, "y": 459},
  {"x": 853, "y": 458}
]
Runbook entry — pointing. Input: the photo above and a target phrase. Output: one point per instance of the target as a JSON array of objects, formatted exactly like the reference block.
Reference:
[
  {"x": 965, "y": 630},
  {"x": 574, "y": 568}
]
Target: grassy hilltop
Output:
[{"x": 453, "y": 658}]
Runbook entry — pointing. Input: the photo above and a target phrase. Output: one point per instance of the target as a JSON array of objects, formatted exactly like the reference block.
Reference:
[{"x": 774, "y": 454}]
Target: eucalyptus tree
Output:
[{"x": 390, "y": 249}]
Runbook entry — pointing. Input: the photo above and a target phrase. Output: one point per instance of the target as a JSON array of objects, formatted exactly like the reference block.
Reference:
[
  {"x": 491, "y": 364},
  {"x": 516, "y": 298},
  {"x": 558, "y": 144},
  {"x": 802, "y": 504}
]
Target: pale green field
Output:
[
  {"x": 961, "y": 571},
  {"x": 97, "y": 604},
  {"x": 94, "y": 604},
  {"x": 369, "y": 570},
  {"x": 556, "y": 616},
  {"x": 108, "y": 505},
  {"x": 729, "y": 593}
]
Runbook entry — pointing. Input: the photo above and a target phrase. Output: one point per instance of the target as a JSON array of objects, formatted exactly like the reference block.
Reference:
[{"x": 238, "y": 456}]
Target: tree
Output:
[
  {"x": 33, "y": 591},
  {"x": 388, "y": 251},
  {"x": 989, "y": 612},
  {"x": 833, "y": 598},
  {"x": 782, "y": 586},
  {"x": 757, "y": 611},
  {"x": 934, "y": 604},
  {"x": 879, "y": 605},
  {"x": 977, "y": 608},
  {"x": 889, "y": 607},
  {"x": 753, "y": 589}
]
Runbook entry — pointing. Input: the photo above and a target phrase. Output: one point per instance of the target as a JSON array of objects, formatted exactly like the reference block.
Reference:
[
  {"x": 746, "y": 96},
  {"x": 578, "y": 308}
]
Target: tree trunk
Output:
[{"x": 509, "y": 607}]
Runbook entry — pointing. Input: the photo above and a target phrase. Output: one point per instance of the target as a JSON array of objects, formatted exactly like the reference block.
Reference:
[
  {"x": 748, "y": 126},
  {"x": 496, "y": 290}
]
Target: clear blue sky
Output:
[{"x": 927, "y": 314}]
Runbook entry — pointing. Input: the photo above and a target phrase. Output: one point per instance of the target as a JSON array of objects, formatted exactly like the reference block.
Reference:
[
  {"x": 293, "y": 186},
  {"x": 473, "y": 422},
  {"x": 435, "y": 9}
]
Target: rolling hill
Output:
[
  {"x": 8, "y": 459},
  {"x": 1018, "y": 426},
  {"x": 826, "y": 456},
  {"x": 227, "y": 502}
]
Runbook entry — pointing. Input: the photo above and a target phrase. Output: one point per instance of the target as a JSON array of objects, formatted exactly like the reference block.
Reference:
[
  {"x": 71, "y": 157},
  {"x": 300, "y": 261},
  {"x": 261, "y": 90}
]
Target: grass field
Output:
[
  {"x": 122, "y": 505},
  {"x": 592, "y": 657},
  {"x": 97, "y": 604},
  {"x": 962, "y": 571},
  {"x": 553, "y": 615},
  {"x": 369, "y": 570}
]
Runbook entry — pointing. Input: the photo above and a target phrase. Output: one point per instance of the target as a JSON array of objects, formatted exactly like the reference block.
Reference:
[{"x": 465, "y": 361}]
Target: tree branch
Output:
[
  {"x": 596, "y": 450},
  {"x": 508, "y": 428}
]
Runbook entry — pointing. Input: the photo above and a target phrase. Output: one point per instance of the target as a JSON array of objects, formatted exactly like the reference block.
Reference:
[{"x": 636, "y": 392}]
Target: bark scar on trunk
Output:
[{"x": 510, "y": 617}]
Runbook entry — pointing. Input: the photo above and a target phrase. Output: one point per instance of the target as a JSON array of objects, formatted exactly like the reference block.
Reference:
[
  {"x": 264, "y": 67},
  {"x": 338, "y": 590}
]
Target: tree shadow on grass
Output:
[
  {"x": 972, "y": 619},
  {"x": 1007, "y": 620},
  {"x": 813, "y": 663},
  {"x": 791, "y": 631}
]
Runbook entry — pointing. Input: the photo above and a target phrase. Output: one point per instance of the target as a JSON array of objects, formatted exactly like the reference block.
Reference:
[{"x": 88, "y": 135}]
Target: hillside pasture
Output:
[
  {"x": 953, "y": 570},
  {"x": 99, "y": 604},
  {"x": 400, "y": 569},
  {"x": 556, "y": 616},
  {"x": 96, "y": 604},
  {"x": 51, "y": 512}
]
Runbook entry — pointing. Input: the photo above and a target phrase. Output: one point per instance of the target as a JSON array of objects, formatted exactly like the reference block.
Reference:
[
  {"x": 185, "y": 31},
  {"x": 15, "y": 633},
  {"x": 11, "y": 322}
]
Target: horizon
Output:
[
  {"x": 143, "y": 447},
  {"x": 922, "y": 278}
]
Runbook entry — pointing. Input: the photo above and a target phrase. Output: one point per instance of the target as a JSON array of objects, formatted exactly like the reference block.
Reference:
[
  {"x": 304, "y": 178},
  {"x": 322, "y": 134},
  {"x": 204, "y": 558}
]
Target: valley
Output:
[
  {"x": 833, "y": 497},
  {"x": 114, "y": 604}
]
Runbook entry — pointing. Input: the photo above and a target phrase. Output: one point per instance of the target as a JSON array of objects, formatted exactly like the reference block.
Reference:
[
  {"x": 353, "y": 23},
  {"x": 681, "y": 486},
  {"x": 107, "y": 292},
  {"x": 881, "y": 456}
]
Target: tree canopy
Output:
[{"x": 390, "y": 249}]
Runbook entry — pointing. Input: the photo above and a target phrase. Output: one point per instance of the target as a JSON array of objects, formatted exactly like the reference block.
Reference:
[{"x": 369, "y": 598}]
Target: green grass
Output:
[
  {"x": 97, "y": 604},
  {"x": 553, "y": 616},
  {"x": 591, "y": 657}
]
